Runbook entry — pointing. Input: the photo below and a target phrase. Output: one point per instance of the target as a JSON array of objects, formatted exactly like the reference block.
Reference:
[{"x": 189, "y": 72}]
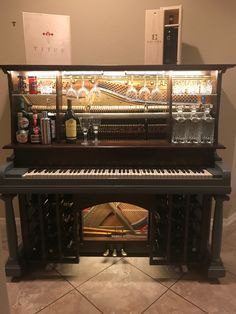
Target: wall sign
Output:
[
  {"x": 154, "y": 37},
  {"x": 47, "y": 38}
]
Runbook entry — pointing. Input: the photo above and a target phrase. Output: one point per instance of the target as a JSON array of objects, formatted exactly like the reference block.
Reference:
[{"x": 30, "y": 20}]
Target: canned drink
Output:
[{"x": 33, "y": 84}]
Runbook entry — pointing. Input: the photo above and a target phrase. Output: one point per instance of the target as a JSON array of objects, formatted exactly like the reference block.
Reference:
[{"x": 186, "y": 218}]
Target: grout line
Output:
[
  {"x": 155, "y": 279},
  {"x": 154, "y": 302},
  {"x": 64, "y": 276},
  {"x": 231, "y": 273},
  {"x": 168, "y": 289},
  {"x": 84, "y": 296},
  {"x": 54, "y": 301},
  {"x": 187, "y": 300}
]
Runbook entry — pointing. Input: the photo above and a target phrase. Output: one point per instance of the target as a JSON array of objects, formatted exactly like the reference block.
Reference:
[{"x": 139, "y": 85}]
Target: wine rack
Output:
[
  {"x": 176, "y": 230},
  {"x": 49, "y": 227}
]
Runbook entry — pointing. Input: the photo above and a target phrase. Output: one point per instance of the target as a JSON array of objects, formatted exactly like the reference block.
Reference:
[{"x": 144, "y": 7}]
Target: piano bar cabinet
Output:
[{"x": 146, "y": 188}]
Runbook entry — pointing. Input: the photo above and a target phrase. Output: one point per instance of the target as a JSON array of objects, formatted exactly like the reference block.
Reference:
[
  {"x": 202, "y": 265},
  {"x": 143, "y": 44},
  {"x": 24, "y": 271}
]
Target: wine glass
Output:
[
  {"x": 144, "y": 92},
  {"x": 131, "y": 91},
  {"x": 83, "y": 91},
  {"x": 71, "y": 92},
  {"x": 94, "y": 93},
  {"x": 96, "y": 122},
  {"x": 84, "y": 124},
  {"x": 155, "y": 93}
]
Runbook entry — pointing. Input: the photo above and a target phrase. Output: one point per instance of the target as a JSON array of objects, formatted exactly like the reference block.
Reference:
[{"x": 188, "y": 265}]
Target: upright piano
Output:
[{"x": 147, "y": 180}]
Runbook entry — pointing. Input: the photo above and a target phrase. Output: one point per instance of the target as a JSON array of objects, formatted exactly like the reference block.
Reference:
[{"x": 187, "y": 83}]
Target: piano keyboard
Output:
[{"x": 116, "y": 173}]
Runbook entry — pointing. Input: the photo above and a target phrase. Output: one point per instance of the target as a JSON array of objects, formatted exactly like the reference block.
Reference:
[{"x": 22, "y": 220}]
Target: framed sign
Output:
[{"x": 47, "y": 38}]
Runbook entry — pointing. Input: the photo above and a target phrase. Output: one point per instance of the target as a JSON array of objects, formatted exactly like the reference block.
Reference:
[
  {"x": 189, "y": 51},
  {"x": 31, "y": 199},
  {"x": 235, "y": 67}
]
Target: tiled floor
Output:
[{"x": 124, "y": 285}]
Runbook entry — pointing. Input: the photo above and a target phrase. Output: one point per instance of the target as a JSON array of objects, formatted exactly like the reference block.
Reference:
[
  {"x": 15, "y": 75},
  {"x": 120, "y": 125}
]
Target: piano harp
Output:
[{"x": 141, "y": 190}]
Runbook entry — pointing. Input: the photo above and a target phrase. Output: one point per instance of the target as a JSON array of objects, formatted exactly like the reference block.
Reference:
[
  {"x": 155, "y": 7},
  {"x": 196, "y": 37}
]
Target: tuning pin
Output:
[
  {"x": 123, "y": 253},
  {"x": 106, "y": 253},
  {"x": 114, "y": 253}
]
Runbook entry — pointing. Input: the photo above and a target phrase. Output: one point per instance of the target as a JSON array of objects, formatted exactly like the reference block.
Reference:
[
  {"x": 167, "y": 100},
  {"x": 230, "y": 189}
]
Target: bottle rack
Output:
[
  {"x": 177, "y": 235},
  {"x": 177, "y": 229},
  {"x": 50, "y": 227}
]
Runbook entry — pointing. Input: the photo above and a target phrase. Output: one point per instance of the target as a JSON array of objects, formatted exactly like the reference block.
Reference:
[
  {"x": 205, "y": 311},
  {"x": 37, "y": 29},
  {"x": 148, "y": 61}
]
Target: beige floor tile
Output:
[
  {"x": 228, "y": 253},
  {"x": 5, "y": 251},
  {"x": 167, "y": 275},
  {"x": 71, "y": 303},
  {"x": 35, "y": 291},
  {"x": 229, "y": 260},
  {"x": 172, "y": 303},
  {"x": 122, "y": 289},
  {"x": 88, "y": 267},
  {"x": 218, "y": 297}
]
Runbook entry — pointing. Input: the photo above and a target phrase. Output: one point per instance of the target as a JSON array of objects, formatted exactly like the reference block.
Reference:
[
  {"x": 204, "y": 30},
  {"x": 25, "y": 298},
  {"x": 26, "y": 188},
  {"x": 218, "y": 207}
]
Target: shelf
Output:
[
  {"x": 33, "y": 95},
  {"x": 160, "y": 144},
  {"x": 189, "y": 95},
  {"x": 132, "y": 115}
]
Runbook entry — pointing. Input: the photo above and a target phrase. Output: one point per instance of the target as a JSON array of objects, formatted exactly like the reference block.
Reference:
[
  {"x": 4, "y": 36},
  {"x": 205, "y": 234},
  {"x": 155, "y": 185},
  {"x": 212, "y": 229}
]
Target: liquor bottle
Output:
[
  {"x": 34, "y": 131},
  {"x": 53, "y": 127},
  {"x": 22, "y": 123},
  {"x": 208, "y": 126},
  {"x": 194, "y": 129},
  {"x": 70, "y": 123},
  {"x": 170, "y": 43},
  {"x": 33, "y": 89},
  {"x": 179, "y": 127}
]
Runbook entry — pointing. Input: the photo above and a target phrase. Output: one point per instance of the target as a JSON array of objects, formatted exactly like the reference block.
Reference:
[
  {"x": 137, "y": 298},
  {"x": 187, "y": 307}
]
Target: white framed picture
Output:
[{"x": 47, "y": 38}]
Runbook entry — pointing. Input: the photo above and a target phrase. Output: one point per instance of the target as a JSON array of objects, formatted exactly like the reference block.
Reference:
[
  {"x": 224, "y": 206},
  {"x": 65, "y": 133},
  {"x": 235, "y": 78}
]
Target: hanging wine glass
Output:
[
  {"x": 144, "y": 92},
  {"x": 71, "y": 92},
  {"x": 155, "y": 93},
  {"x": 131, "y": 91},
  {"x": 83, "y": 91},
  {"x": 95, "y": 92}
]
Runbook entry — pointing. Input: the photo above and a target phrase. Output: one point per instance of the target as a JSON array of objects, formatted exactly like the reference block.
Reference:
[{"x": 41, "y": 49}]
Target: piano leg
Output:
[
  {"x": 216, "y": 268},
  {"x": 13, "y": 267}
]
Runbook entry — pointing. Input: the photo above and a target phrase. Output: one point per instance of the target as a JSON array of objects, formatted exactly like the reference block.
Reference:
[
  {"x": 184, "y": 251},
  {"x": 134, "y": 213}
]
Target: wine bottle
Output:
[{"x": 70, "y": 123}]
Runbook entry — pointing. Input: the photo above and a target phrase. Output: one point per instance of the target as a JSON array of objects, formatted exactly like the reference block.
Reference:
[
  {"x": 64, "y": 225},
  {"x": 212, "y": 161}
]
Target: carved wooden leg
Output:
[
  {"x": 216, "y": 268},
  {"x": 13, "y": 267}
]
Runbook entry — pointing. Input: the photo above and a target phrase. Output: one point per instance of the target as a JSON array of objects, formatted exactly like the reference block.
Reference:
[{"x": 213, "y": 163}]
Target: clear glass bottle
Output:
[
  {"x": 208, "y": 126},
  {"x": 179, "y": 127},
  {"x": 194, "y": 126}
]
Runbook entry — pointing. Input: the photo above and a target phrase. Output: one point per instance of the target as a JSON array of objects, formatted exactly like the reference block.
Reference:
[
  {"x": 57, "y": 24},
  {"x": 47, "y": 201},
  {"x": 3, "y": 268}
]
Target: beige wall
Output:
[{"x": 112, "y": 32}]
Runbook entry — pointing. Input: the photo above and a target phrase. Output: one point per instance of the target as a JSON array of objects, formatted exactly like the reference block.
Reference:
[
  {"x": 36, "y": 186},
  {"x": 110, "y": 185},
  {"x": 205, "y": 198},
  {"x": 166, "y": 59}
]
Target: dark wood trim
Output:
[
  {"x": 141, "y": 144},
  {"x": 166, "y": 67}
]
